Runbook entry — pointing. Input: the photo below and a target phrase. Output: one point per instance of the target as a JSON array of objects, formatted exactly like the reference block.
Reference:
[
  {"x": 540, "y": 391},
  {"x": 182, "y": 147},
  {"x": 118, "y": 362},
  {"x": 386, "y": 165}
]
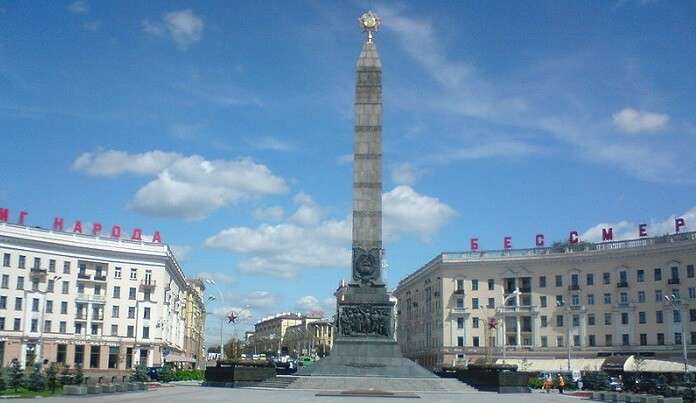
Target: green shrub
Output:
[
  {"x": 78, "y": 377},
  {"x": 167, "y": 375},
  {"x": 140, "y": 374},
  {"x": 15, "y": 374},
  {"x": 36, "y": 380},
  {"x": 52, "y": 381},
  {"x": 190, "y": 375},
  {"x": 536, "y": 383}
]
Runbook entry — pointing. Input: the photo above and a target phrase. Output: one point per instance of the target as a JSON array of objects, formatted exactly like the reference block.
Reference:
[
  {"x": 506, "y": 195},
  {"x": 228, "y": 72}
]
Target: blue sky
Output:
[{"x": 229, "y": 128}]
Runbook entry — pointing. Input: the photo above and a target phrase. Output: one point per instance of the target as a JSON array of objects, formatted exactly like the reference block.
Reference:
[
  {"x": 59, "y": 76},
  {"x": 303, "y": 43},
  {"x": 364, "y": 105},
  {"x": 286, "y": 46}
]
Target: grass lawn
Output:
[{"x": 30, "y": 393}]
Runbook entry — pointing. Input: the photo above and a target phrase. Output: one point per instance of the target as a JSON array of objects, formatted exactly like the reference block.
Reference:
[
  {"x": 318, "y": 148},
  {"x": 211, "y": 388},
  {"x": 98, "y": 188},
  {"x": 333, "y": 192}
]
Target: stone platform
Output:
[
  {"x": 366, "y": 357},
  {"x": 347, "y": 383}
]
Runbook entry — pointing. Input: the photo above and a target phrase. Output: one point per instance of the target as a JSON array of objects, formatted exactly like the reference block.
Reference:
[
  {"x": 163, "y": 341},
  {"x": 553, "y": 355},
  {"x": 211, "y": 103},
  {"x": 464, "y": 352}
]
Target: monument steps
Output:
[
  {"x": 278, "y": 382},
  {"x": 347, "y": 383}
]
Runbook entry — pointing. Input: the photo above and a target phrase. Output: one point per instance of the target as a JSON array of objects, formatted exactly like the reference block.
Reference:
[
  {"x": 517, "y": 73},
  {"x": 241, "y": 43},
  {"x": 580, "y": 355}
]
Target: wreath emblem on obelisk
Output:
[{"x": 366, "y": 265}]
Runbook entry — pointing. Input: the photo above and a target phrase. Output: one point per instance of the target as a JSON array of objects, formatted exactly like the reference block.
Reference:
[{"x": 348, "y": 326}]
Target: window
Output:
[
  {"x": 460, "y": 302},
  {"x": 542, "y": 301},
  {"x": 576, "y": 320},
  {"x": 559, "y": 300},
  {"x": 20, "y": 283},
  {"x": 658, "y": 317},
  {"x": 474, "y": 285},
  {"x": 559, "y": 320},
  {"x": 607, "y": 318},
  {"x": 590, "y": 279},
  {"x": 80, "y": 288},
  {"x": 50, "y": 285},
  {"x": 61, "y": 353},
  {"x": 660, "y": 339},
  {"x": 591, "y": 340},
  {"x": 590, "y": 319},
  {"x": 117, "y": 292},
  {"x": 35, "y": 285},
  {"x": 131, "y": 293},
  {"x": 133, "y": 274},
  {"x": 641, "y": 276},
  {"x": 113, "y": 357},
  {"x": 608, "y": 340},
  {"x": 37, "y": 262},
  {"x": 677, "y": 338},
  {"x": 47, "y": 326},
  {"x": 575, "y": 300},
  {"x": 475, "y": 341},
  {"x": 544, "y": 321},
  {"x": 491, "y": 284},
  {"x": 676, "y": 316},
  {"x": 146, "y": 333},
  {"x": 52, "y": 265},
  {"x": 22, "y": 262},
  {"x": 34, "y": 325},
  {"x": 475, "y": 303},
  {"x": 590, "y": 299},
  {"x": 460, "y": 323},
  {"x": 690, "y": 271},
  {"x": 658, "y": 296},
  {"x": 117, "y": 272},
  {"x": 131, "y": 331},
  {"x": 114, "y": 311},
  {"x": 114, "y": 330},
  {"x": 641, "y": 318},
  {"x": 3, "y": 302},
  {"x": 623, "y": 297},
  {"x": 66, "y": 267},
  {"x": 35, "y": 305},
  {"x": 692, "y": 292},
  {"x": 623, "y": 277},
  {"x": 606, "y": 278},
  {"x": 692, "y": 315},
  {"x": 460, "y": 339},
  {"x": 17, "y": 324},
  {"x": 675, "y": 273},
  {"x": 79, "y": 355},
  {"x": 18, "y": 304},
  {"x": 607, "y": 298},
  {"x": 146, "y": 313},
  {"x": 575, "y": 280},
  {"x": 491, "y": 303},
  {"x": 78, "y": 328},
  {"x": 544, "y": 341},
  {"x": 624, "y": 318},
  {"x": 131, "y": 312},
  {"x": 542, "y": 282},
  {"x": 95, "y": 329},
  {"x": 5, "y": 281},
  {"x": 641, "y": 297},
  {"x": 474, "y": 322},
  {"x": 643, "y": 339},
  {"x": 66, "y": 285},
  {"x": 63, "y": 327},
  {"x": 576, "y": 340},
  {"x": 6, "y": 260},
  {"x": 559, "y": 341},
  {"x": 97, "y": 290},
  {"x": 658, "y": 274},
  {"x": 63, "y": 308},
  {"x": 559, "y": 280},
  {"x": 146, "y": 295},
  {"x": 94, "y": 356},
  {"x": 460, "y": 285}
]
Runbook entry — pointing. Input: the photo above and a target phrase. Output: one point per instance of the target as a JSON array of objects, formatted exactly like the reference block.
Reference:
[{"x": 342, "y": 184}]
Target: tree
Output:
[
  {"x": 140, "y": 374},
  {"x": 66, "y": 378},
  {"x": 167, "y": 375},
  {"x": 233, "y": 348},
  {"x": 16, "y": 374},
  {"x": 36, "y": 380},
  {"x": 3, "y": 385},
  {"x": 78, "y": 377},
  {"x": 52, "y": 376}
]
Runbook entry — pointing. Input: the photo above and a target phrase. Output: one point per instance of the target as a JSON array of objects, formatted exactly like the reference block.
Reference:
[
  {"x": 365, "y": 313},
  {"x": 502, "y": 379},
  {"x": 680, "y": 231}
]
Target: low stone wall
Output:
[
  {"x": 498, "y": 378},
  {"x": 237, "y": 375},
  {"x": 603, "y": 396}
]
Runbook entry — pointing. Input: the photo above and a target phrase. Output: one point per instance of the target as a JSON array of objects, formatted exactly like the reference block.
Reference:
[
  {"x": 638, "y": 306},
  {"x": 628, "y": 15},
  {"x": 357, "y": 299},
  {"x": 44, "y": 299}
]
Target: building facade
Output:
[
  {"x": 194, "y": 319},
  {"x": 587, "y": 301},
  {"x": 270, "y": 333},
  {"x": 313, "y": 337},
  {"x": 103, "y": 303}
]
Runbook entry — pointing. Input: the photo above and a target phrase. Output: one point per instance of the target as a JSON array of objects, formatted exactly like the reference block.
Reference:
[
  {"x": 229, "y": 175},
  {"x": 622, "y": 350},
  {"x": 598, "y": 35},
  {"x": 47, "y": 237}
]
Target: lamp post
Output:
[
  {"x": 566, "y": 310},
  {"x": 222, "y": 319},
  {"x": 514, "y": 294},
  {"x": 674, "y": 301}
]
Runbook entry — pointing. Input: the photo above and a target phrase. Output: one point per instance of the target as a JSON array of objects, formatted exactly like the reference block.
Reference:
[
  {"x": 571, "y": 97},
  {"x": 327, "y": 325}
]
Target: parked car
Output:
[
  {"x": 154, "y": 373},
  {"x": 615, "y": 384}
]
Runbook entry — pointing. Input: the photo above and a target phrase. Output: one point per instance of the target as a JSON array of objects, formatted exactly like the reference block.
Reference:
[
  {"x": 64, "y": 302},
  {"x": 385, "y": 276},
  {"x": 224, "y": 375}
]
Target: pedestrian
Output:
[
  {"x": 561, "y": 383},
  {"x": 548, "y": 384}
]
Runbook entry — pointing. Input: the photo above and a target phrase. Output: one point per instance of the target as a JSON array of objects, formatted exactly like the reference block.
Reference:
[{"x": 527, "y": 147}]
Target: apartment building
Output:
[
  {"x": 592, "y": 299},
  {"x": 103, "y": 303}
]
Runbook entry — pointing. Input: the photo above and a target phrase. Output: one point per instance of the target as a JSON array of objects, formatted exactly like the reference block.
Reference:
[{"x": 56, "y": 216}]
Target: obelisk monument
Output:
[{"x": 364, "y": 342}]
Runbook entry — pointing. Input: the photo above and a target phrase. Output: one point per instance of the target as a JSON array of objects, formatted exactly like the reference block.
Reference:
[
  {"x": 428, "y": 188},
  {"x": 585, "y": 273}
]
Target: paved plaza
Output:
[{"x": 250, "y": 395}]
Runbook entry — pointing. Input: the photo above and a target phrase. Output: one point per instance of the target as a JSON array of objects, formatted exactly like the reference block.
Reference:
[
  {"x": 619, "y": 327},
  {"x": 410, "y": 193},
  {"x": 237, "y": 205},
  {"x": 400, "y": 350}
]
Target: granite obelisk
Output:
[{"x": 364, "y": 342}]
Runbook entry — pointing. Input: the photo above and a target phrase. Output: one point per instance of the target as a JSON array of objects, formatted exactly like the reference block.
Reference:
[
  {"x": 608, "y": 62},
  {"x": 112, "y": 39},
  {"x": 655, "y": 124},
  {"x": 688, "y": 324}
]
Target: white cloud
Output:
[
  {"x": 344, "y": 159},
  {"x": 272, "y": 214},
  {"x": 496, "y": 149},
  {"x": 634, "y": 121},
  {"x": 309, "y": 240},
  {"x": 629, "y": 230},
  {"x": 79, "y": 7},
  {"x": 217, "y": 277},
  {"x": 181, "y": 252},
  {"x": 311, "y": 305},
  {"x": 407, "y": 212},
  {"x": 185, "y": 187},
  {"x": 272, "y": 143},
  {"x": 183, "y": 26},
  {"x": 259, "y": 299},
  {"x": 404, "y": 174}
]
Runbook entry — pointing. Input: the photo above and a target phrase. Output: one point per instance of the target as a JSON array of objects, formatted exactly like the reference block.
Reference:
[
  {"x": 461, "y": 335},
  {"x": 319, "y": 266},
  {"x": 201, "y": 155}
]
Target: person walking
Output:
[
  {"x": 548, "y": 384},
  {"x": 561, "y": 383}
]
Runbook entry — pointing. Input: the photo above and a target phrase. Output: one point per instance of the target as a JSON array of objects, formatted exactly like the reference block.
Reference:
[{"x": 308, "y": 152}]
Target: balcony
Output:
[
  {"x": 622, "y": 284},
  {"x": 528, "y": 309},
  {"x": 98, "y": 317},
  {"x": 99, "y": 277},
  {"x": 90, "y": 298},
  {"x": 81, "y": 316},
  {"x": 458, "y": 310},
  {"x": 38, "y": 274},
  {"x": 673, "y": 281},
  {"x": 459, "y": 292},
  {"x": 148, "y": 284},
  {"x": 83, "y": 276},
  {"x": 574, "y": 287}
]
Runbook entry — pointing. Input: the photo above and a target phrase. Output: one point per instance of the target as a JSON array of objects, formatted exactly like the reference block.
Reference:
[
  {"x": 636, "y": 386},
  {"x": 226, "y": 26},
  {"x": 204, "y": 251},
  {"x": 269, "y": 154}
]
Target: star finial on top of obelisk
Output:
[{"x": 369, "y": 22}]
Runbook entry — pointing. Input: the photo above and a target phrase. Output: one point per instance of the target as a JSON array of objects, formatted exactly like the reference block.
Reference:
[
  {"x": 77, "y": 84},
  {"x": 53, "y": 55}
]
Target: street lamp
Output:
[
  {"x": 514, "y": 294},
  {"x": 222, "y": 319},
  {"x": 675, "y": 302},
  {"x": 568, "y": 324}
]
